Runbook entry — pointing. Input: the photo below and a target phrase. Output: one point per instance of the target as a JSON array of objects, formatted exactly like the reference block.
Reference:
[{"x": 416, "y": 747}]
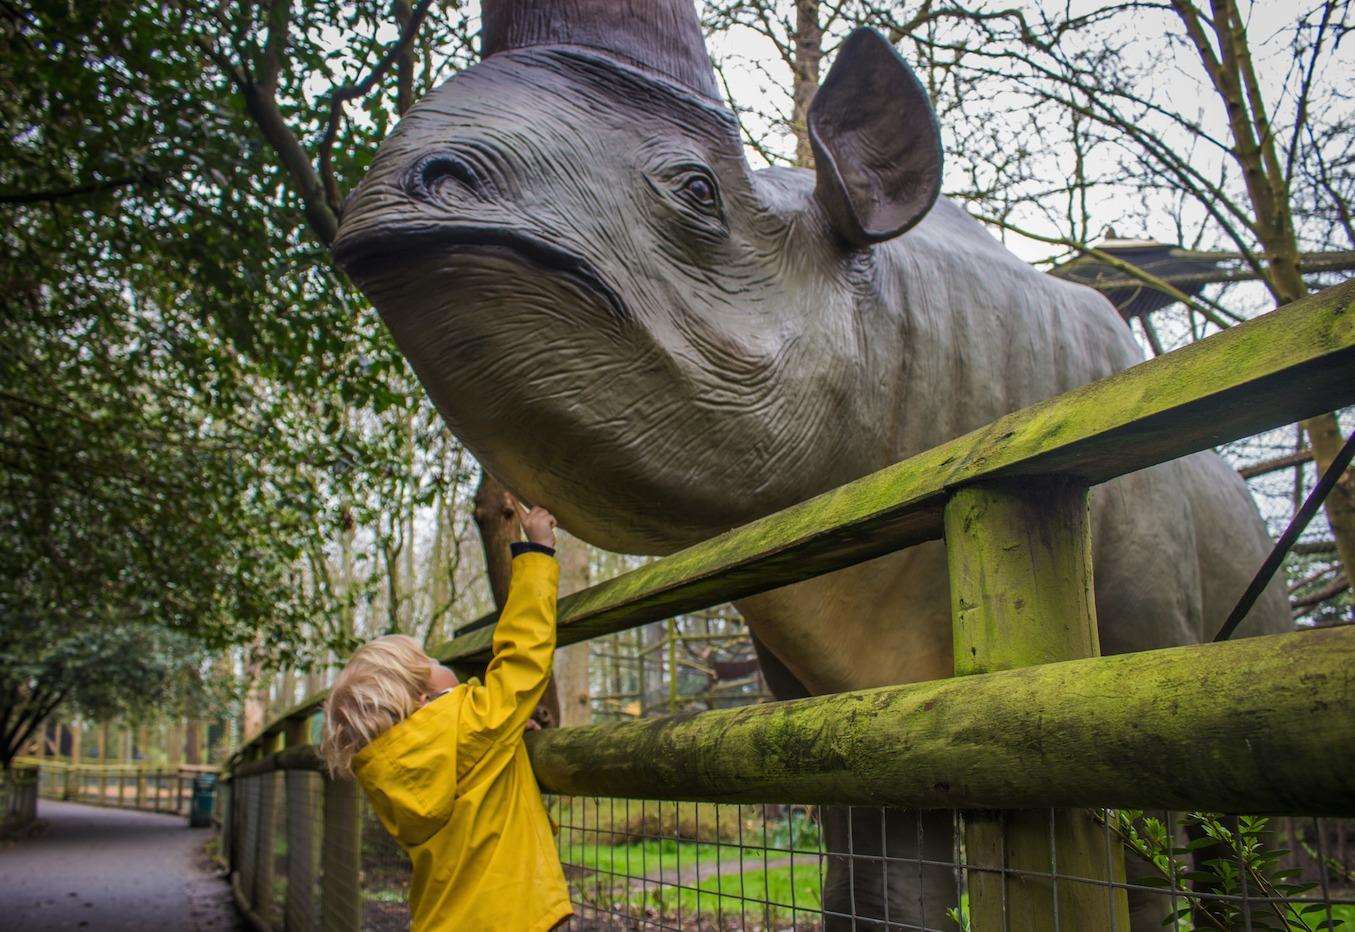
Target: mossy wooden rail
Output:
[
  {"x": 1261, "y": 725},
  {"x": 1033, "y": 718}
]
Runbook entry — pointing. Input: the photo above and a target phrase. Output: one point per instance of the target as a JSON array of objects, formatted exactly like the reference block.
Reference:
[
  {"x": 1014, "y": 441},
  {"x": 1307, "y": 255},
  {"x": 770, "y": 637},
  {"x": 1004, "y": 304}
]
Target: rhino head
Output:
[{"x": 618, "y": 316}]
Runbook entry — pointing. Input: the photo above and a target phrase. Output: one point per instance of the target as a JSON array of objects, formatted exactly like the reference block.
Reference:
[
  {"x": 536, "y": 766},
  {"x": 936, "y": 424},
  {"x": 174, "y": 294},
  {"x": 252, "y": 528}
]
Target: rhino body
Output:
[{"x": 656, "y": 365}]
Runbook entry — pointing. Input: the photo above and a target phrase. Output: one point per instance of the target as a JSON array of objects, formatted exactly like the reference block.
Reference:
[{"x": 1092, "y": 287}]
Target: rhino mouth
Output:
[{"x": 365, "y": 257}]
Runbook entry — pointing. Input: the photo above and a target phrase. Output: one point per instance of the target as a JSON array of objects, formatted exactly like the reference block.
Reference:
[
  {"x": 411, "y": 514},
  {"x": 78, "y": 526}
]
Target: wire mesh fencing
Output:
[
  {"x": 308, "y": 853},
  {"x": 635, "y": 864},
  {"x": 300, "y": 856}
]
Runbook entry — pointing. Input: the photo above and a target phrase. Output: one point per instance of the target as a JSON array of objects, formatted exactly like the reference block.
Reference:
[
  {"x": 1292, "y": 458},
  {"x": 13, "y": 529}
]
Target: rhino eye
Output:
[
  {"x": 697, "y": 188},
  {"x": 700, "y": 190}
]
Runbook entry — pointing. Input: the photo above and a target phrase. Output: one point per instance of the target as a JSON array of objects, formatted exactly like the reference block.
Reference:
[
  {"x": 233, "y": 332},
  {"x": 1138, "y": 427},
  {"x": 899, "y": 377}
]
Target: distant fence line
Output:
[{"x": 143, "y": 786}]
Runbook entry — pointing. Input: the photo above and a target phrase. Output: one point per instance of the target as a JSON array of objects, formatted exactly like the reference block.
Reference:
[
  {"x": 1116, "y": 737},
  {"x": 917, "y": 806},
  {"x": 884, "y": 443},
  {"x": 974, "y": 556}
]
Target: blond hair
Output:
[{"x": 380, "y": 687}]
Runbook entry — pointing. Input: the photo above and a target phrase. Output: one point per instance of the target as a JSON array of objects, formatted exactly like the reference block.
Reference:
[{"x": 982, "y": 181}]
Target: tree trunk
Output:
[
  {"x": 286, "y": 695},
  {"x": 1324, "y": 435},
  {"x": 404, "y": 65},
  {"x": 496, "y": 518},
  {"x": 256, "y": 699},
  {"x": 805, "y": 75},
  {"x": 175, "y": 739},
  {"x": 193, "y": 741},
  {"x": 439, "y": 591},
  {"x": 571, "y": 663},
  {"x": 1254, "y": 149}
]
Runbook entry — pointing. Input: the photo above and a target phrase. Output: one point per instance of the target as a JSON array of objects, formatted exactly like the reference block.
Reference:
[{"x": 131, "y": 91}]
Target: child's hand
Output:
[{"x": 539, "y": 524}]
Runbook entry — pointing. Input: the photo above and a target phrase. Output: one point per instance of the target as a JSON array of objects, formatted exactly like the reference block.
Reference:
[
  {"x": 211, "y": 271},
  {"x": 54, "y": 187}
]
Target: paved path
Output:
[{"x": 94, "y": 868}]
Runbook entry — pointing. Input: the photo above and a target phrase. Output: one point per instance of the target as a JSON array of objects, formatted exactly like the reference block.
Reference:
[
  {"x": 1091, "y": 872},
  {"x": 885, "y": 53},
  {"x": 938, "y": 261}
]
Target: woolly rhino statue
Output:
[{"x": 626, "y": 323}]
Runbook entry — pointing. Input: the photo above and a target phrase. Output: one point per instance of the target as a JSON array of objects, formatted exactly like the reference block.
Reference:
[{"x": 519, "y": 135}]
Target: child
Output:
[{"x": 444, "y": 767}]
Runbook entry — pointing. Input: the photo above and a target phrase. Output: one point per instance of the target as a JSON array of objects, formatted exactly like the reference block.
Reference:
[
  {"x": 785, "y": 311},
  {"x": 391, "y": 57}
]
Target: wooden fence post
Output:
[
  {"x": 340, "y": 884},
  {"x": 230, "y": 824},
  {"x": 1019, "y": 555},
  {"x": 102, "y": 748},
  {"x": 302, "y": 823},
  {"x": 261, "y": 896},
  {"x": 246, "y": 845}
]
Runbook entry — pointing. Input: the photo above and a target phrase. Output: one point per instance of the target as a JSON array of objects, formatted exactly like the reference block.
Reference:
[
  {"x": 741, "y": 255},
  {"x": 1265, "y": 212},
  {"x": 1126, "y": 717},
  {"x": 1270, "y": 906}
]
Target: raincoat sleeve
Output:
[{"x": 524, "y": 642}]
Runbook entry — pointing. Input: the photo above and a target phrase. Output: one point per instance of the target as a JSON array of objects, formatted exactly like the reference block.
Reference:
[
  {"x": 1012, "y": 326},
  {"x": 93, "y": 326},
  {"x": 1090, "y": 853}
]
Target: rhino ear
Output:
[{"x": 877, "y": 148}]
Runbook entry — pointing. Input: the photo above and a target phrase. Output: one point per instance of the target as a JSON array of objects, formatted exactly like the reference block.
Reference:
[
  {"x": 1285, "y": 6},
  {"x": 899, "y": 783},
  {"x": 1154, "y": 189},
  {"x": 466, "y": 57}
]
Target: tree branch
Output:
[
  {"x": 260, "y": 98},
  {"x": 52, "y": 195},
  {"x": 1329, "y": 591},
  {"x": 358, "y": 89},
  {"x": 1131, "y": 270},
  {"x": 1280, "y": 462}
]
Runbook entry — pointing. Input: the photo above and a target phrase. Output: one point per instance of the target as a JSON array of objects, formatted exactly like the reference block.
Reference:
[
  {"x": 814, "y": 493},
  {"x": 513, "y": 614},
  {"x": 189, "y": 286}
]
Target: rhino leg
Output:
[
  {"x": 873, "y": 853},
  {"x": 876, "y": 878}
]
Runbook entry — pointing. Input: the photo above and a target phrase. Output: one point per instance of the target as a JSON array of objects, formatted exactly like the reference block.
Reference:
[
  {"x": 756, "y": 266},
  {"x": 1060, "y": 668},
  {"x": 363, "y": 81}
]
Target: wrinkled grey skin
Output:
[{"x": 655, "y": 375}]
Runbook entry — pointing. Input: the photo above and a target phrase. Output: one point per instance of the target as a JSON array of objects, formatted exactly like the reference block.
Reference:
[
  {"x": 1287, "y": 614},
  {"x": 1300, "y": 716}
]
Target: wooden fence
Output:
[
  {"x": 147, "y": 787},
  {"x": 18, "y": 799},
  {"x": 1033, "y": 719}
]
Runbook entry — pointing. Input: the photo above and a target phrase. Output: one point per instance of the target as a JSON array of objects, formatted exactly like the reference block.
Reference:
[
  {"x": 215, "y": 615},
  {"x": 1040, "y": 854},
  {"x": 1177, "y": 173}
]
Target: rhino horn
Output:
[{"x": 658, "y": 36}]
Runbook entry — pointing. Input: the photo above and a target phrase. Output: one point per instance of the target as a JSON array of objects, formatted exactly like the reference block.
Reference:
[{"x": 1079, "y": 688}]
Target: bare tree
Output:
[{"x": 1170, "y": 103}]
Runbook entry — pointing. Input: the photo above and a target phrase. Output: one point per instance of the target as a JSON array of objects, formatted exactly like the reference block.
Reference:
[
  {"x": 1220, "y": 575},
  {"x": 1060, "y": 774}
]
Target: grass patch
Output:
[
  {"x": 698, "y": 880},
  {"x": 644, "y": 858}
]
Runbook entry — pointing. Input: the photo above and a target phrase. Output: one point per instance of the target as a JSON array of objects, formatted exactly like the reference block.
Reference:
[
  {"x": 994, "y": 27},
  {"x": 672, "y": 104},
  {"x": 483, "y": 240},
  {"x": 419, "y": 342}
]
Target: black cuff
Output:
[{"x": 519, "y": 547}]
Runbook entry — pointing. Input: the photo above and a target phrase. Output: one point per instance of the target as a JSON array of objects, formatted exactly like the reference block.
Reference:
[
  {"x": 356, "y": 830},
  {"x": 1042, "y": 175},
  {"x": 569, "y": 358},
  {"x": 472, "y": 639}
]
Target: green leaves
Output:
[
  {"x": 190, "y": 396},
  {"x": 1245, "y": 864}
]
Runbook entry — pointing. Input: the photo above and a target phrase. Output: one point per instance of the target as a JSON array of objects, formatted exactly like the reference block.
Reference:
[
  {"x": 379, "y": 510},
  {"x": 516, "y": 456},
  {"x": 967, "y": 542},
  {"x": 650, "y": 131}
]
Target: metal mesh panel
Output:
[
  {"x": 223, "y": 820},
  {"x": 247, "y": 804},
  {"x": 643, "y": 864},
  {"x": 341, "y": 885},
  {"x": 671, "y": 865},
  {"x": 275, "y": 847},
  {"x": 385, "y": 876},
  {"x": 304, "y": 814},
  {"x": 636, "y": 864}
]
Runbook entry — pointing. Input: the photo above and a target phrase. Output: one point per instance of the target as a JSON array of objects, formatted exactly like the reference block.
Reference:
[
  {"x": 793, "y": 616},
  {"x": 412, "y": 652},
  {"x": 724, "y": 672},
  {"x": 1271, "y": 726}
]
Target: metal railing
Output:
[{"x": 1048, "y": 787}]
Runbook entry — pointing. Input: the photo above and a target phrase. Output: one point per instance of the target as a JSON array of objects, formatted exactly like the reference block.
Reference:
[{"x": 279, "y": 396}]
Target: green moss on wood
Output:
[
  {"x": 1019, "y": 555},
  {"x": 1260, "y": 725},
  {"x": 1020, "y": 566}
]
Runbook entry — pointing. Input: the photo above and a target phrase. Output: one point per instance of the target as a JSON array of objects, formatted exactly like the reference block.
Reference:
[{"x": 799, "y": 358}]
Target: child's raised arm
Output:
[{"x": 524, "y": 643}]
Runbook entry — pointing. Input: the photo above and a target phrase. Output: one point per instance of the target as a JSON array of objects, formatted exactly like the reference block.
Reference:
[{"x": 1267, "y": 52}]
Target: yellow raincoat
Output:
[{"x": 454, "y": 786}]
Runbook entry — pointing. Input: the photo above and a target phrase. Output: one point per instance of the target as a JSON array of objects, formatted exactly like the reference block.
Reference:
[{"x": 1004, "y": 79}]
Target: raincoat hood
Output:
[{"x": 409, "y": 772}]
